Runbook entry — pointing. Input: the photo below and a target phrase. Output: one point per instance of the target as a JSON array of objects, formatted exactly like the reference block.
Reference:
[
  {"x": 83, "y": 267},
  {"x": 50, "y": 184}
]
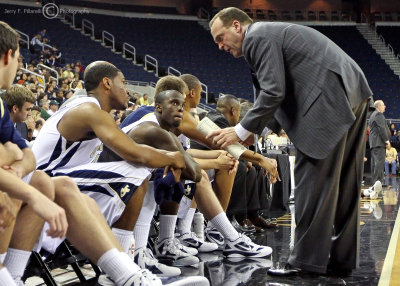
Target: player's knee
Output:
[
  {"x": 66, "y": 188},
  {"x": 41, "y": 181}
]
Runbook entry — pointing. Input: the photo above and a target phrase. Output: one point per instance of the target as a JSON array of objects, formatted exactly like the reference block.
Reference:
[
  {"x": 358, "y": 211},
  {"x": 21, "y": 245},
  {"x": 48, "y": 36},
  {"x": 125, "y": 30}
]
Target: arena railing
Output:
[
  {"x": 89, "y": 26},
  {"x": 151, "y": 61},
  {"x": 173, "y": 71},
  {"x": 25, "y": 39},
  {"x": 107, "y": 36},
  {"x": 130, "y": 49}
]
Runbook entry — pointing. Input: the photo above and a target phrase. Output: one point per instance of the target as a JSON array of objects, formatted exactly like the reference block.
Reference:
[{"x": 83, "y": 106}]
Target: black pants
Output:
[{"x": 327, "y": 202}]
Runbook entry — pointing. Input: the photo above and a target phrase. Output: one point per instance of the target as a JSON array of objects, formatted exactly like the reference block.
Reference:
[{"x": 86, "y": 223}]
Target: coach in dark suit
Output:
[
  {"x": 308, "y": 86},
  {"x": 378, "y": 138}
]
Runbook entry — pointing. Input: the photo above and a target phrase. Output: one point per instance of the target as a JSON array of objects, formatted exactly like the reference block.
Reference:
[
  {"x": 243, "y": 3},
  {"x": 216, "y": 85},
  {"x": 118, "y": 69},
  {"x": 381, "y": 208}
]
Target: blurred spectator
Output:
[
  {"x": 67, "y": 73},
  {"x": 38, "y": 125},
  {"x": 390, "y": 159},
  {"x": 144, "y": 100},
  {"x": 44, "y": 104},
  {"x": 393, "y": 131},
  {"x": 53, "y": 107}
]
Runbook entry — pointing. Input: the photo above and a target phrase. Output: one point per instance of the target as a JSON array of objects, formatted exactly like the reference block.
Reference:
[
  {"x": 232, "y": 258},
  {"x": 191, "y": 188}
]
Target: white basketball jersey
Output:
[
  {"x": 149, "y": 117},
  {"x": 53, "y": 151}
]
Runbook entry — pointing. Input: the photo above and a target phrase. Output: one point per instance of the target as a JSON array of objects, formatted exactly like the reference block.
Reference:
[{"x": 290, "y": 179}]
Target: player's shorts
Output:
[{"x": 110, "y": 184}]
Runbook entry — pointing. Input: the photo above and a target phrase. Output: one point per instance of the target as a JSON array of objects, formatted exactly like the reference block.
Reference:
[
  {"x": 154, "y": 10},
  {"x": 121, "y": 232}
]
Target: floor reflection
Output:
[{"x": 377, "y": 221}]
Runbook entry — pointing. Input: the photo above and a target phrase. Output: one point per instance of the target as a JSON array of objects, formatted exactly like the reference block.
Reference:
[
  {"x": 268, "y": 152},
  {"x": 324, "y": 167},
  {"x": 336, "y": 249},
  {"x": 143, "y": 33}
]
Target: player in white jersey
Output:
[
  {"x": 168, "y": 111},
  {"x": 73, "y": 137}
]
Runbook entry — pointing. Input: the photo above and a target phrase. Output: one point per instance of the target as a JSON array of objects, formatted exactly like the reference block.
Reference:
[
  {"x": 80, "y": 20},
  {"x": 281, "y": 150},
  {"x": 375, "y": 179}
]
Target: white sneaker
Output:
[
  {"x": 186, "y": 281},
  {"x": 190, "y": 239},
  {"x": 188, "y": 249},
  {"x": 146, "y": 260},
  {"x": 214, "y": 236},
  {"x": 244, "y": 247},
  {"x": 142, "y": 277},
  {"x": 376, "y": 190},
  {"x": 169, "y": 249}
]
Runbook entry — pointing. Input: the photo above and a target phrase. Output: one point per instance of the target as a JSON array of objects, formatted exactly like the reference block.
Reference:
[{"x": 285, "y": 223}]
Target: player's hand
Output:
[
  {"x": 8, "y": 211},
  {"x": 270, "y": 167},
  {"x": 178, "y": 160},
  {"x": 225, "y": 161},
  {"x": 51, "y": 213}
]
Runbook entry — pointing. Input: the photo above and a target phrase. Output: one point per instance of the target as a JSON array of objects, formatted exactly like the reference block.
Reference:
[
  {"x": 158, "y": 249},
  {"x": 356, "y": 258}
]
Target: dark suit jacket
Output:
[
  {"x": 304, "y": 83},
  {"x": 378, "y": 130}
]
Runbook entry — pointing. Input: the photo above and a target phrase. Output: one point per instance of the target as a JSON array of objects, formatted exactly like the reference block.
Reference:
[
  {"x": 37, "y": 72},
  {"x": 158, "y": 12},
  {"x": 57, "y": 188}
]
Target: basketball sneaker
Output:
[
  {"x": 190, "y": 239},
  {"x": 214, "y": 236},
  {"x": 244, "y": 247},
  {"x": 170, "y": 250},
  {"x": 146, "y": 260}
]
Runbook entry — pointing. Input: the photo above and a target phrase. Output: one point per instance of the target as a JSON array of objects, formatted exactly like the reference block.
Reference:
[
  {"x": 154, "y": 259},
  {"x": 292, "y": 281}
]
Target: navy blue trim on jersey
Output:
[
  {"x": 137, "y": 115},
  {"x": 56, "y": 153},
  {"x": 64, "y": 161},
  {"x": 90, "y": 174}
]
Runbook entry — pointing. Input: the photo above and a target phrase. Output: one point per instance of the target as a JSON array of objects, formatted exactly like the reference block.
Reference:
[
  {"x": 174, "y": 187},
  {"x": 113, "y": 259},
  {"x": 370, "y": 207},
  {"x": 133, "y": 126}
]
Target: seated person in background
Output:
[
  {"x": 246, "y": 184},
  {"x": 19, "y": 101},
  {"x": 390, "y": 159},
  {"x": 144, "y": 100}
]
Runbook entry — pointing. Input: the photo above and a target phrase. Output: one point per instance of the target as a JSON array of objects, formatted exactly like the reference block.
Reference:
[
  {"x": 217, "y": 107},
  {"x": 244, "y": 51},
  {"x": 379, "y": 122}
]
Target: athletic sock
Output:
[
  {"x": 223, "y": 225},
  {"x": 167, "y": 227},
  {"x": 16, "y": 261},
  {"x": 185, "y": 224},
  {"x": 141, "y": 234},
  {"x": 118, "y": 265},
  {"x": 125, "y": 238}
]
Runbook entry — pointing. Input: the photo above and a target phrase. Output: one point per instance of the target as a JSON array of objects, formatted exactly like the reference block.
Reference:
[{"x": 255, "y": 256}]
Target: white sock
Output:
[
  {"x": 2, "y": 257},
  {"x": 141, "y": 234},
  {"x": 5, "y": 278},
  {"x": 167, "y": 226},
  {"x": 143, "y": 223},
  {"x": 118, "y": 265},
  {"x": 16, "y": 261},
  {"x": 198, "y": 225},
  {"x": 125, "y": 238},
  {"x": 223, "y": 225},
  {"x": 185, "y": 224}
]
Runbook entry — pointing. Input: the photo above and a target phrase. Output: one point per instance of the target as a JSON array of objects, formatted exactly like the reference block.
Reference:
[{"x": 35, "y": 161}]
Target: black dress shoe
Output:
[
  {"x": 264, "y": 223},
  {"x": 241, "y": 228},
  {"x": 288, "y": 270}
]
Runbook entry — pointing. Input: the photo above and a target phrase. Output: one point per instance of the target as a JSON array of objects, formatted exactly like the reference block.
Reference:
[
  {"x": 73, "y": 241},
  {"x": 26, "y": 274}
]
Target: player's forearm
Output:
[
  {"x": 16, "y": 188},
  {"x": 26, "y": 165},
  {"x": 207, "y": 164},
  {"x": 251, "y": 157},
  {"x": 204, "y": 154}
]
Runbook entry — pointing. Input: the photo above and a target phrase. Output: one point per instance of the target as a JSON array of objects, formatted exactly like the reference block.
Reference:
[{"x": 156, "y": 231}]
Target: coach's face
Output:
[{"x": 230, "y": 38}]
